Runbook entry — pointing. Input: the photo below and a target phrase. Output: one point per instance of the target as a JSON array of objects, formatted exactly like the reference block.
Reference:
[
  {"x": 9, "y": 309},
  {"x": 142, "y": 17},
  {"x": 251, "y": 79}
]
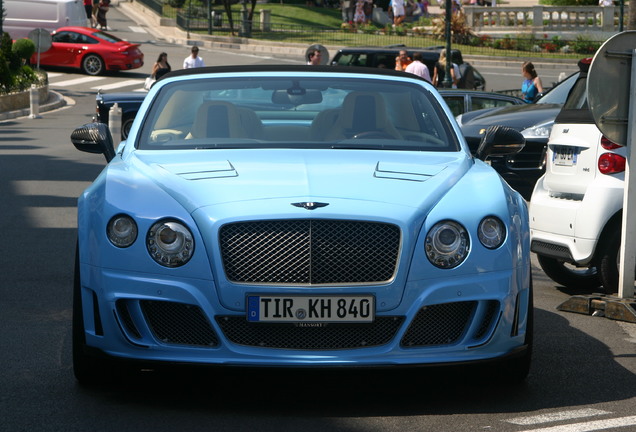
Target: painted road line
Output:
[
  {"x": 136, "y": 29},
  {"x": 557, "y": 416},
  {"x": 596, "y": 425},
  {"x": 75, "y": 81},
  {"x": 120, "y": 84}
]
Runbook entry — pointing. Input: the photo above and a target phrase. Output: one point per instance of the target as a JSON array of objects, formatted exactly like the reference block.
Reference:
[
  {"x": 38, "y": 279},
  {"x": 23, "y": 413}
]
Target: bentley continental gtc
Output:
[{"x": 297, "y": 216}]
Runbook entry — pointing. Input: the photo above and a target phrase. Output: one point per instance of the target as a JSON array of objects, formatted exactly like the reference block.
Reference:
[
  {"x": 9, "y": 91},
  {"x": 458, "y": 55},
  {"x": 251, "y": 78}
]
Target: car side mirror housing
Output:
[
  {"x": 500, "y": 141},
  {"x": 94, "y": 138}
]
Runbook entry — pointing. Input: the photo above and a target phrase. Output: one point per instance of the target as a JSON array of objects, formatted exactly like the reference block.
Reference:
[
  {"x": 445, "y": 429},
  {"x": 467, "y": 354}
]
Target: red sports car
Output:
[{"x": 90, "y": 50}]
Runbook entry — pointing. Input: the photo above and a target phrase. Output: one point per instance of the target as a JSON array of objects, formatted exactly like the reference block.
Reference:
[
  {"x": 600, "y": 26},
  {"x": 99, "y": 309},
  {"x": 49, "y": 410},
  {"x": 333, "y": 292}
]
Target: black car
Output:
[
  {"x": 460, "y": 101},
  {"x": 534, "y": 121},
  {"x": 384, "y": 57},
  {"x": 129, "y": 102}
]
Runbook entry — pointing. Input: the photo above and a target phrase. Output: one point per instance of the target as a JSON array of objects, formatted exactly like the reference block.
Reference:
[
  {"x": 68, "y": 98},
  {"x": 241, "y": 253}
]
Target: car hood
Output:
[
  {"x": 218, "y": 187},
  {"x": 204, "y": 178},
  {"x": 518, "y": 117}
]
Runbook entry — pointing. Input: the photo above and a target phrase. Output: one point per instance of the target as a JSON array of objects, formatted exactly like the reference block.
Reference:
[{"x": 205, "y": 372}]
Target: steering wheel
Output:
[{"x": 373, "y": 134}]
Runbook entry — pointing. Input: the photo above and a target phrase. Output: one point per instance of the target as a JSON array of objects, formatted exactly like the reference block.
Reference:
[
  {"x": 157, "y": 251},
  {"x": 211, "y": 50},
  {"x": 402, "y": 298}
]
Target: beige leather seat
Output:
[
  {"x": 363, "y": 112},
  {"x": 217, "y": 119}
]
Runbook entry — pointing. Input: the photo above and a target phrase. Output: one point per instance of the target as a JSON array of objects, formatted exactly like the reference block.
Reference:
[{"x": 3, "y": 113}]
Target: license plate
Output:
[
  {"x": 297, "y": 309},
  {"x": 564, "y": 156}
]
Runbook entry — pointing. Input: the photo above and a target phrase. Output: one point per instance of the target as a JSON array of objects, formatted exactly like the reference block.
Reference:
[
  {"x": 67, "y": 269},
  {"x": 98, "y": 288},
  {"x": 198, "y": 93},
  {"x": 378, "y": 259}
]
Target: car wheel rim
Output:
[{"x": 93, "y": 65}]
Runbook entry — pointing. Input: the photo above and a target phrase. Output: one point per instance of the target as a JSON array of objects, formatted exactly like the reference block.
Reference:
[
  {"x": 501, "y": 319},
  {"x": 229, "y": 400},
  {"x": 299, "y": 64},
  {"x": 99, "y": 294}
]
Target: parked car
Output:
[
  {"x": 129, "y": 102},
  {"x": 460, "y": 101},
  {"x": 225, "y": 230},
  {"x": 384, "y": 57},
  {"x": 576, "y": 206},
  {"x": 534, "y": 121},
  {"x": 91, "y": 50}
]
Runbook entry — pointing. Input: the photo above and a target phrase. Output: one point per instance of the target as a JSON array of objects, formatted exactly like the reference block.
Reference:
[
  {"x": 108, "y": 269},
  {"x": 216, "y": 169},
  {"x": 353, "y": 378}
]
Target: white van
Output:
[{"x": 26, "y": 15}]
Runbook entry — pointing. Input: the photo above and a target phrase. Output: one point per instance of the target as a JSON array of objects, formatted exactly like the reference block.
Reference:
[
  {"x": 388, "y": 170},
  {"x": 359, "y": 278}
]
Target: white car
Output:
[{"x": 576, "y": 207}]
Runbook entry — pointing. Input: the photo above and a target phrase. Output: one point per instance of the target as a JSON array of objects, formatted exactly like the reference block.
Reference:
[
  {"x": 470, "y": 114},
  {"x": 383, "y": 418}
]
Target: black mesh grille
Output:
[
  {"x": 490, "y": 312},
  {"x": 309, "y": 251},
  {"x": 441, "y": 324},
  {"x": 288, "y": 336},
  {"x": 178, "y": 323}
]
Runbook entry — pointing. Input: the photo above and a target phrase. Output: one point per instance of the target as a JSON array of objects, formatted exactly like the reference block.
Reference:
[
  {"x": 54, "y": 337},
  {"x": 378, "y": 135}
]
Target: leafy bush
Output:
[
  {"x": 23, "y": 48},
  {"x": 583, "y": 45},
  {"x": 14, "y": 74}
]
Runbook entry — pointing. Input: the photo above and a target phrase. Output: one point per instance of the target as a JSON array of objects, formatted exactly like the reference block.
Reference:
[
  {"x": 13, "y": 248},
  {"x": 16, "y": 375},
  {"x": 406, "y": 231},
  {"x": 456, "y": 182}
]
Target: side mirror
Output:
[
  {"x": 94, "y": 138},
  {"x": 500, "y": 141}
]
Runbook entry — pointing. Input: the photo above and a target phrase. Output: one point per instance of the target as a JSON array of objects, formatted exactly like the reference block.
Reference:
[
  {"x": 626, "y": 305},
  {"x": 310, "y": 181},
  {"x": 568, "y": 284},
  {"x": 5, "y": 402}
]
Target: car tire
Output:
[
  {"x": 88, "y": 370},
  {"x": 93, "y": 64},
  {"x": 126, "y": 124},
  {"x": 608, "y": 259},
  {"x": 585, "y": 278}
]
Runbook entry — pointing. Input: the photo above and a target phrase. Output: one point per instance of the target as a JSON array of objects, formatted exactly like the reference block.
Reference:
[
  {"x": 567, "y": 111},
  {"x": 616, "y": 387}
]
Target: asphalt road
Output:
[{"x": 583, "y": 375}]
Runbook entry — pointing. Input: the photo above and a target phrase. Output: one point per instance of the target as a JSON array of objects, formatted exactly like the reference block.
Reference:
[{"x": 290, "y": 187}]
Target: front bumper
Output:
[{"x": 138, "y": 317}]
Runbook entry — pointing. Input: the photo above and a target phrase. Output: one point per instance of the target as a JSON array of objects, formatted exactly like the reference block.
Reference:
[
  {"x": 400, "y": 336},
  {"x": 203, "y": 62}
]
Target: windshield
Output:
[
  {"x": 559, "y": 93},
  {"x": 298, "y": 112}
]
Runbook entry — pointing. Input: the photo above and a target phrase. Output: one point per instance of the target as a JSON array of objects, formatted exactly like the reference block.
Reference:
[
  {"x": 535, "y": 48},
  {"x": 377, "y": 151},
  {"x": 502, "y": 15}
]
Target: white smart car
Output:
[{"x": 576, "y": 207}]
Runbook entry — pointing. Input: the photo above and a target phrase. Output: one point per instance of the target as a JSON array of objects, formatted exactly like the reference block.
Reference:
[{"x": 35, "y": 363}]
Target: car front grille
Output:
[
  {"x": 294, "y": 336},
  {"x": 309, "y": 251}
]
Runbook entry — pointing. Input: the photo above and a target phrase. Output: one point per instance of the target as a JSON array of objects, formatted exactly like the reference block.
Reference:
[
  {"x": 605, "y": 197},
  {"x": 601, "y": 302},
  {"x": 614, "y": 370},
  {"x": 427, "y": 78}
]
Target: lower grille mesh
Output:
[
  {"x": 178, "y": 323},
  {"x": 288, "y": 336},
  {"x": 441, "y": 324}
]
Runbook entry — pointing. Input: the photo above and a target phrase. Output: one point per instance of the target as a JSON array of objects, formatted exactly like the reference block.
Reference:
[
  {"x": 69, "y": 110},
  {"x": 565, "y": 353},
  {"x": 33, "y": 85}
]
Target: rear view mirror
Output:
[
  {"x": 500, "y": 141},
  {"x": 285, "y": 97},
  {"x": 94, "y": 138}
]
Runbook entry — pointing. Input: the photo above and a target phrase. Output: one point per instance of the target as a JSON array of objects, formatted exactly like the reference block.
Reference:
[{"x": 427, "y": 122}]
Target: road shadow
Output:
[{"x": 577, "y": 379}]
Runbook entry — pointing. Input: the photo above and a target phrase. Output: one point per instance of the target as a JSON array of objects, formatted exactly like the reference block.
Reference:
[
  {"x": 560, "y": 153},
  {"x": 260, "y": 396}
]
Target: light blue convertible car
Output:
[{"x": 298, "y": 216}]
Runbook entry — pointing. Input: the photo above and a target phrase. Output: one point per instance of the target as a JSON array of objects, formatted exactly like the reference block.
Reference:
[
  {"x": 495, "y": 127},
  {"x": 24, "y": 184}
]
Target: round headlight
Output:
[
  {"x": 170, "y": 243},
  {"x": 121, "y": 231},
  {"x": 492, "y": 232},
  {"x": 447, "y": 244}
]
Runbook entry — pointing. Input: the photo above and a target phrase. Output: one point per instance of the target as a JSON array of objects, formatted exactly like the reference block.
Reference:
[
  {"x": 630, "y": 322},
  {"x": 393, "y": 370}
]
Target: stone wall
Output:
[{"x": 20, "y": 100}]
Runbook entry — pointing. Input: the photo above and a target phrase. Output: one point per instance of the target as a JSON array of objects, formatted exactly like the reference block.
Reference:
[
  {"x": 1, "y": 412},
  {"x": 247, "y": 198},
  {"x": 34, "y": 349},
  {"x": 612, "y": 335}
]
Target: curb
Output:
[{"x": 56, "y": 100}]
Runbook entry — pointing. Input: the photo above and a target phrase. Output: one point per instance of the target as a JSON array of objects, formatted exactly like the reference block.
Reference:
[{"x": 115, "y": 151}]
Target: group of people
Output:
[
  {"x": 96, "y": 11},
  {"x": 416, "y": 66},
  {"x": 401, "y": 9},
  {"x": 162, "y": 67},
  {"x": 356, "y": 12}
]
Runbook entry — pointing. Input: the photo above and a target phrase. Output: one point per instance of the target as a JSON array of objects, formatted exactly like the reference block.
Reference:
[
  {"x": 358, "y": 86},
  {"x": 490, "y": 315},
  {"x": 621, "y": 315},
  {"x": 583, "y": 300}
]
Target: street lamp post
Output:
[{"x": 448, "y": 82}]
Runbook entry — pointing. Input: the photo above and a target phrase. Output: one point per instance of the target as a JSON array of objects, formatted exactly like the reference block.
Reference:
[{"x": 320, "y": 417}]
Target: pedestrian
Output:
[
  {"x": 439, "y": 72},
  {"x": 314, "y": 57},
  {"x": 417, "y": 67},
  {"x": 531, "y": 86},
  {"x": 347, "y": 8},
  {"x": 102, "y": 10},
  {"x": 605, "y": 3},
  {"x": 88, "y": 7},
  {"x": 94, "y": 13},
  {"x": 161, "y": 66},
  {"x": 398, "y": 12},
  {"x": 402, "y": 61},
  {"x": 193, "y": 60}
]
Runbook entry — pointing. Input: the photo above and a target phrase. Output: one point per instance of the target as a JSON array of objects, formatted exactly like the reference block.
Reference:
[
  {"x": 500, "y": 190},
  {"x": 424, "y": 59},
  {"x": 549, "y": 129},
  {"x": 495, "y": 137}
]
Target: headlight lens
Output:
[
  {"x": 447, "y": 244},
  {"x": 538, "y": 131},
  {"x": 170, "y": 243},
  {"x": 491, "y": 232},
  {"x": 121, "y": 230}
]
